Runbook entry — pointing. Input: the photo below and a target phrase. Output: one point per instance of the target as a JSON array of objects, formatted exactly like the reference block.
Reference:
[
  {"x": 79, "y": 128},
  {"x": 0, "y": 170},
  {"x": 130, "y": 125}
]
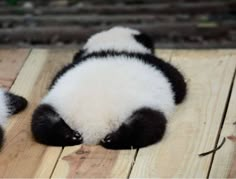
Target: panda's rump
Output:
[{"x": 100, "y": 94}]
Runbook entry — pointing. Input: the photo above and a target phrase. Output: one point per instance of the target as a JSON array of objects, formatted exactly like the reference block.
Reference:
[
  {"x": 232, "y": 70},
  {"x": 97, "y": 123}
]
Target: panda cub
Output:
[
  {"x": 115, "y": 93},
  {"x": 9, "y": 104}
]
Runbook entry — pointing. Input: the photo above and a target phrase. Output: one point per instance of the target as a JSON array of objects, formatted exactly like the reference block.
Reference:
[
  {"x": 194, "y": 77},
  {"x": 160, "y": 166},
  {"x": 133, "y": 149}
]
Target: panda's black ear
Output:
[
  {"x": 145, "y": 40},
  {"x": 15, "y": 103}
]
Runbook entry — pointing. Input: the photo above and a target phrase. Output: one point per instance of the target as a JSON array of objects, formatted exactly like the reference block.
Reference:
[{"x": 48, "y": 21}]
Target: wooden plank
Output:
[
  {"x": 94, "y": 161},
  {"x": 224, "y": 163},
  {"x": 194, "y": 126},
  {"x": 165, "y": 54},
  {"x": 11, "y": 62},
  {"x": 21, "y": 155}
]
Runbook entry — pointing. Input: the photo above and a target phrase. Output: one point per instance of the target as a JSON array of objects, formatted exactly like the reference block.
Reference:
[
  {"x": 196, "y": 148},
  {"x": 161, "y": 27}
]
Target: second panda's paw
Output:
[{"x": 15, "y": 103}]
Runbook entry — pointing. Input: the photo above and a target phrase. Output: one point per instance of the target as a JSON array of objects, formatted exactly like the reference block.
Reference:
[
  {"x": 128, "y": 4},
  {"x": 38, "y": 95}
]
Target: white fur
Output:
[
  {"x": 3, "y": 108},
  {"x": 98, "y": 95},
  {"x": 118, "y": 38}
]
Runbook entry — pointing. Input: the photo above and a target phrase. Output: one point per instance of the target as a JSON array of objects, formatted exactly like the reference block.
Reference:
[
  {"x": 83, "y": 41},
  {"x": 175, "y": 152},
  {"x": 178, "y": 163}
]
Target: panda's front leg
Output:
[{"x": 49, "y": 128}]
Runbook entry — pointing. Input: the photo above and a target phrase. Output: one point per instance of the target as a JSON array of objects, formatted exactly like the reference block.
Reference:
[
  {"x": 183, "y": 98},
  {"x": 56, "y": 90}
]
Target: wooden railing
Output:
[{"x": 171, "y": 23}]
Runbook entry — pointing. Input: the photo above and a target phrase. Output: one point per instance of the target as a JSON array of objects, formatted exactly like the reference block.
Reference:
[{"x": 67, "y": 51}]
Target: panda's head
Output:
[{"x": 119, "y": 39}]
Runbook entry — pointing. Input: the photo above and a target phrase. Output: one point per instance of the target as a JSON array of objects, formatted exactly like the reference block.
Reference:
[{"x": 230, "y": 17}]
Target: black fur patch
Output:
[
  {"x": 60, "y": 73},
  {"x": 1, "y": 137},
  {"x": 145, "y": 40},
  {"x": 145, "y": 127},
  {"x": 82, "y": 56},
  {"x": 15, "y": 103},
  {"x": 176, "y": 79},
  {"x": 76, "y": 59},
  {"x": 79, "y": 55},
  {"x": 49, "y": 128}
]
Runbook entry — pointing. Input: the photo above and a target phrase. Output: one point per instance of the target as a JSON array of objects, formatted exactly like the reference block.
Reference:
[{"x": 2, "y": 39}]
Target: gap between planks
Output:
[{"x": 224, "y": 160}]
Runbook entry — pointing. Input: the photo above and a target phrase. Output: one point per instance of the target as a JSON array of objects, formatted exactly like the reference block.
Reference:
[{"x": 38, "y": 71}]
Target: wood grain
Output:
[
  {"x": 21, "y": 155},
  {"x": 224, "y": 163},
  {"x": 194, "y": 126},
  {"x": 93, "y": 162},
  {"x": 11, "y": 61}
]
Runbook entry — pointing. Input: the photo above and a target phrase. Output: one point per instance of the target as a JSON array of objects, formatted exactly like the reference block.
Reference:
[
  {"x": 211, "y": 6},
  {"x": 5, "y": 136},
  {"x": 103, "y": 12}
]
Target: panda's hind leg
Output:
[
  {"x": 49, "y": 128},
  {"x": 144, "y": 127}
]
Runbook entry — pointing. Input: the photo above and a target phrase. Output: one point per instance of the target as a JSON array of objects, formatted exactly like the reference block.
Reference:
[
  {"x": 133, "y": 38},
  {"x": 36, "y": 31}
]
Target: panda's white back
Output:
[{"x": 98, "y": 95}]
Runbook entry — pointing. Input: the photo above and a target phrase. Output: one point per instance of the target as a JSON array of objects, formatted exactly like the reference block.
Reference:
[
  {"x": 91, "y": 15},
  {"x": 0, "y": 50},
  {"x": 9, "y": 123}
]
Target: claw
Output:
[
  {"x": 77, "y": 134},
  {"x": 107, "y": 139},
  {"x": 74, "y": 138}
]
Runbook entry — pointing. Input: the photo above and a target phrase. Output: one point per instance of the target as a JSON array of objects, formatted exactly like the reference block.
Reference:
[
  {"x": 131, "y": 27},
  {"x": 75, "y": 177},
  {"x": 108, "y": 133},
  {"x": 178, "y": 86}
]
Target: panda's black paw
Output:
[
  {"x": 120, "y": 139},
  {"x": 107, "y": 139},
  {"x": 74, "y": 137},
  {"x": 1, "y": 137},
  {"x": 112, "y": 141},
  {"x": 68, "y": 136},
  {"x": 15, "y": 103},
  {"x": 49, "y": 128}
]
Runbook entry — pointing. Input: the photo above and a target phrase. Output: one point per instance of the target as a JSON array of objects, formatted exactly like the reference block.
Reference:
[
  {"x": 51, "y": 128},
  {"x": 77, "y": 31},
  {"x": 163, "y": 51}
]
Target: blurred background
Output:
[{"x": 67, "y": 23}]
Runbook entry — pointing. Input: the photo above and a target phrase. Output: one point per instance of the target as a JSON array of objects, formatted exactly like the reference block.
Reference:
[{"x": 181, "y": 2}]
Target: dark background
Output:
[{"x": 67, "y": 23}]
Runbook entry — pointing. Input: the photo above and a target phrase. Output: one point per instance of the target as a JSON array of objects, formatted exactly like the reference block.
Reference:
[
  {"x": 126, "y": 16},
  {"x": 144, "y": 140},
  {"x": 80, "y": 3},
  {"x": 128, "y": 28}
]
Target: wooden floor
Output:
[{"x": 199, "y": 124}]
